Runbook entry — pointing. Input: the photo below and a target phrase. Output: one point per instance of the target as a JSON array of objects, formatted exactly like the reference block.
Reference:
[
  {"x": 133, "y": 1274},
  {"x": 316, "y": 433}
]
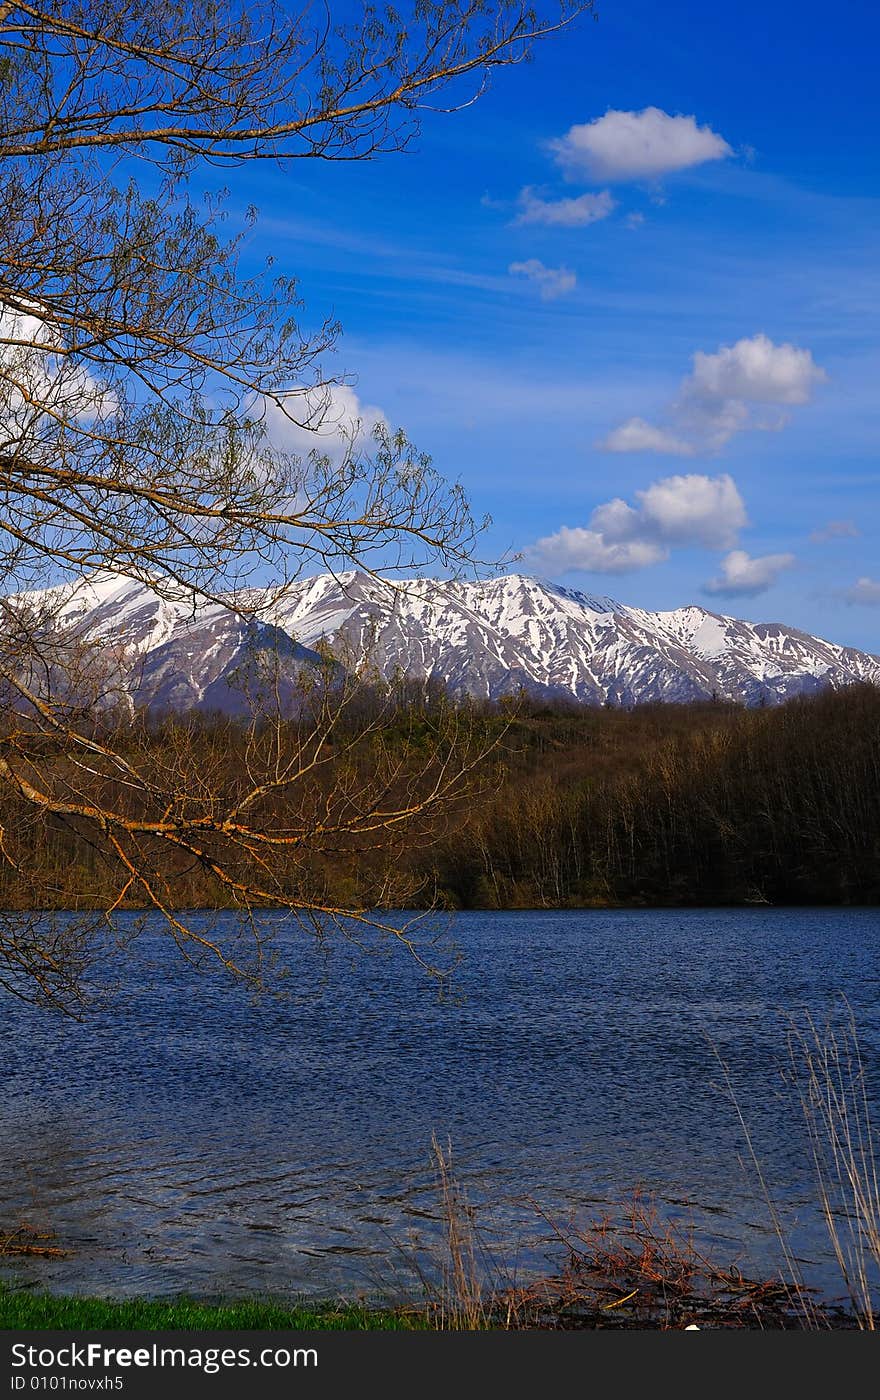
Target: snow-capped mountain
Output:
[{"x": 486, "y": 639}]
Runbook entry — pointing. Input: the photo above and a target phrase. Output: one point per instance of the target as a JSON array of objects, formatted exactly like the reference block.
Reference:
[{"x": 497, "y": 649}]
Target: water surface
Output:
[{"x": 185, "y": 1138}]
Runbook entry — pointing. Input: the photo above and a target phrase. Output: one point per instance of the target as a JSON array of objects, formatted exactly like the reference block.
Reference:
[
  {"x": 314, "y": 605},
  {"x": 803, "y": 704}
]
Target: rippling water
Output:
[{"x": 187, "y": 1139}]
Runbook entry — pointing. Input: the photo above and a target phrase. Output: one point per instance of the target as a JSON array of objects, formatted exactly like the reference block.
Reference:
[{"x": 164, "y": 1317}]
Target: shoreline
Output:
[
  {"x": 769, "y": 1307},
  {"x": 631, "y": 906}
]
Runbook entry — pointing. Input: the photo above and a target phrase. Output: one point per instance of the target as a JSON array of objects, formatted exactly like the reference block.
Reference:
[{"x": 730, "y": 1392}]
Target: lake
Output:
[{"x": 188, "y": 1138}]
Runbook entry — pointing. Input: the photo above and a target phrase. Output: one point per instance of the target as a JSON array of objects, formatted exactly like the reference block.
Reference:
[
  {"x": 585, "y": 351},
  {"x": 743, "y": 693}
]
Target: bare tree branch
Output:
[{"x": 147, "y": 390}]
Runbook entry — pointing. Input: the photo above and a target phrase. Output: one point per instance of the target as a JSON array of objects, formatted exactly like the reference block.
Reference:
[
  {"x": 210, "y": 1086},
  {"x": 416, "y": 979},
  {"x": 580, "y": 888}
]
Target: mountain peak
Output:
[{"x": 595, "y": 602}]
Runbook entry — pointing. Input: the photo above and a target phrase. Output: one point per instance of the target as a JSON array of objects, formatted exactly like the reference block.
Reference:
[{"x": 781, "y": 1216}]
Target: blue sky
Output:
[{"x": 669, "y": 181}]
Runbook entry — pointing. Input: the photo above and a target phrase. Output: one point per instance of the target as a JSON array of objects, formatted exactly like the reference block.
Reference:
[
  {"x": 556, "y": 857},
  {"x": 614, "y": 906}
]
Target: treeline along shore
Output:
[
  {"x": 682, "y": 804},
  {"x": 564, "y": 806}
]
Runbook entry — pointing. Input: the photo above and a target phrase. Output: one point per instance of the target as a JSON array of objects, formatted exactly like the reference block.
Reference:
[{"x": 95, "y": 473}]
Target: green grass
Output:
[{"x": 21, "y": 1310}]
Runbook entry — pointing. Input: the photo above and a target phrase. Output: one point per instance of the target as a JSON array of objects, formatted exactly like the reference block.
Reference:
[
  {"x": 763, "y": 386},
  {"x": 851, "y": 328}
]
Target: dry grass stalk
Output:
[
  {"x": 828, "y": 1073},
  {"x": 463, "y": 1304}
]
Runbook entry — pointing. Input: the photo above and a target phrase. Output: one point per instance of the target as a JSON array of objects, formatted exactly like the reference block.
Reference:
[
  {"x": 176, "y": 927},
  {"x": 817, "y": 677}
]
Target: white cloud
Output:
[
  {"x": 619, "y": 537},
  {"x": 866, "y": 591},
  {"x": 636, "y": 145},
  {"x": 330, "y": 420},
  {"x": 578, "y": 549},
  {"x": 551, "y": 282},
  {"x": 694, "y": 509},
  {"x": 724, "y": 394},
  {"x": 756, "y": 371},
  {"x": 635, "y": 435},
  {"x": 836, "y": 530},
  {"x": 39, "y": 377},
  {"x": 742, "y": 575},
  {"x": 23, "y": 335},
  {"x": 564, "y": 213}
]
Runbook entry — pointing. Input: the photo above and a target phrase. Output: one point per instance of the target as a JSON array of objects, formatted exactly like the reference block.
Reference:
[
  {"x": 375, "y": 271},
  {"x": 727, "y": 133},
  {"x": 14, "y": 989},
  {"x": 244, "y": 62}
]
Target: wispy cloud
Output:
[
  {"x": 836, "y": 530},
  {"x": 564, "y": 213},
  {"x": 552, "y": 282},
  {"x": 865, "y": 591}
]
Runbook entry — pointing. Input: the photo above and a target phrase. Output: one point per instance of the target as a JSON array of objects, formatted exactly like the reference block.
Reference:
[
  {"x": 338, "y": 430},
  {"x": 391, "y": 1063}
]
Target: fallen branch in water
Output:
[{"x": 26, "y": 1241}]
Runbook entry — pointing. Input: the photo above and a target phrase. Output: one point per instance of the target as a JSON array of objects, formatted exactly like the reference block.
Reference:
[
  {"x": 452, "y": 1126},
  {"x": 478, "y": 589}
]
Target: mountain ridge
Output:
[{"x": 486, "y": 638}]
